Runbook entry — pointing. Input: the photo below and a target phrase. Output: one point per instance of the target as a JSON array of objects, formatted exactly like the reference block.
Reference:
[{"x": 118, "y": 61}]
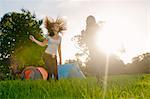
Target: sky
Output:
[{"x": 126, "y": 22}]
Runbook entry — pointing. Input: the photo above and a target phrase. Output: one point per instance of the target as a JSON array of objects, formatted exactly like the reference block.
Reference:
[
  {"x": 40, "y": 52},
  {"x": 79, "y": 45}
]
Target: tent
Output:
[
  {"x": 64, "y": 71},
  {"x": 34, "y": 73},
  {"x": 69, "y": 71}
]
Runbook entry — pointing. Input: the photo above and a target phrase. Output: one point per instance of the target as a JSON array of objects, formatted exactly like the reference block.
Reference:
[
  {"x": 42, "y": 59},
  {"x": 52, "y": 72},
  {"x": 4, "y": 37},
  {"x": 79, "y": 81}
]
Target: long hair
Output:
[
  {"x": 90, "y": 21},
  {"x": 49, "y": 23}
]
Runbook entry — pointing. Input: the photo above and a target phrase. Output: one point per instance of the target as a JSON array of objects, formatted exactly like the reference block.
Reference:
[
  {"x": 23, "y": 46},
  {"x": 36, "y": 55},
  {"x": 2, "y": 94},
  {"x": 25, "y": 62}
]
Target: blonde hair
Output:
[{"x": 49, "y": 23}]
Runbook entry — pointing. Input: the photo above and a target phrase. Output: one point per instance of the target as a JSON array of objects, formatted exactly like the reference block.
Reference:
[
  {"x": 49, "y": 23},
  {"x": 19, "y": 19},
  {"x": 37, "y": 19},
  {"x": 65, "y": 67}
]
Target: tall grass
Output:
[{"x": 119, "y": 87}]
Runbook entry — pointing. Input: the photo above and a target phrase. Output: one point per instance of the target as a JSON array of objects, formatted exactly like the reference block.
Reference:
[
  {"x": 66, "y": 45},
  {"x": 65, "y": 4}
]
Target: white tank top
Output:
[{"x": 53, "y": 45}]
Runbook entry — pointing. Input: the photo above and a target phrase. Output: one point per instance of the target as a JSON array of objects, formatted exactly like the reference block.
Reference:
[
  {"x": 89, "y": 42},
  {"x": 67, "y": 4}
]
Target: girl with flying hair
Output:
[{"x": 53, "y": 42}]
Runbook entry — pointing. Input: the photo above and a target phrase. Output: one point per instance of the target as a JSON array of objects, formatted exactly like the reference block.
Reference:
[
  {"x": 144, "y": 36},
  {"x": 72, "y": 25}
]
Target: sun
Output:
[
  {"x": 108, "y": 42},
  {"x": 111, "y": 42}
]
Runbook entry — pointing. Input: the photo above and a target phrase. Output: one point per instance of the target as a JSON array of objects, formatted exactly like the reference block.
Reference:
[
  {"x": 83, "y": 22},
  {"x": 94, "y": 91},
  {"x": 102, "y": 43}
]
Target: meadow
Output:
[{"x": 118, "y": 87}]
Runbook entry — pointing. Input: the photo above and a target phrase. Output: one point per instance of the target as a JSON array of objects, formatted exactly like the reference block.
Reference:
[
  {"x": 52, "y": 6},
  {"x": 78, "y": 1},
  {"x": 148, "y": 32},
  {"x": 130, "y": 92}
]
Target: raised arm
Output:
[{"x": 38, "y": 42}]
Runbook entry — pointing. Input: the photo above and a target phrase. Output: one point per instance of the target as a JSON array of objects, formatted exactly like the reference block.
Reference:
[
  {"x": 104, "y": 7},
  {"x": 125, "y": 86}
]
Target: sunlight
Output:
[
  {"x": 108, "y": 42},
  {"x": 105, "y": 77}
]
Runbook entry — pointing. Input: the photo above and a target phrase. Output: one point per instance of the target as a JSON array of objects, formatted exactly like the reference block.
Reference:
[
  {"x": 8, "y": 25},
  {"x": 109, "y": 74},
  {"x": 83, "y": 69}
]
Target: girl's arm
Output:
[
  {"x": 38, "y": 42},
  {"x": 59, "y": 53}
]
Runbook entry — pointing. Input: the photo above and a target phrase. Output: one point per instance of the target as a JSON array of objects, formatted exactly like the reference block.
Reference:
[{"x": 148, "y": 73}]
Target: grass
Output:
[{"x": 119, "y": 87}]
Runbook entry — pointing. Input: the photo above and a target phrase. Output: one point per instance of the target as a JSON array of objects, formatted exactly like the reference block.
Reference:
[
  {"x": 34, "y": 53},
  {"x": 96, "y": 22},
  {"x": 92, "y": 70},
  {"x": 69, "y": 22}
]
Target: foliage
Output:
[
  {"x": 142, "y": 59},
  {"x": 118, "y": 87},
  {"x": 15, "y": 30},
  {"x": 140, "y": 64}
]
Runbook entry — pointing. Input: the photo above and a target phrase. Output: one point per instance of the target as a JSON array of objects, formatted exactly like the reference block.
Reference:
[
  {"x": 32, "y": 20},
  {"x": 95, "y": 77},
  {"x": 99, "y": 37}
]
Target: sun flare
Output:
[{"x": 108, "y": 43}]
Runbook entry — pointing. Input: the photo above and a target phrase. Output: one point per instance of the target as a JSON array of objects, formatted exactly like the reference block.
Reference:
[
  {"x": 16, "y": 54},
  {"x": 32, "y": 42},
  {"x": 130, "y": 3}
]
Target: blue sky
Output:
[{"x": 127, "y": 22}]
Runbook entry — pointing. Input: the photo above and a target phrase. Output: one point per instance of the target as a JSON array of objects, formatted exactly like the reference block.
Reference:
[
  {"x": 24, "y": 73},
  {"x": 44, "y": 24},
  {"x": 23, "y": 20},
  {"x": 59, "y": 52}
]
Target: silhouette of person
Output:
[{"x": 88, "y": 36}]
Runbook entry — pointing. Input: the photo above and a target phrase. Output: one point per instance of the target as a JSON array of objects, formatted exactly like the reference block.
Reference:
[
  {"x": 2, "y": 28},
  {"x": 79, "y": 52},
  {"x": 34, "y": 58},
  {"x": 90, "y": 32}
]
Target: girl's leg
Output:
[
  {"x": 48, "y": 64},
  {"x": 55, "y": 69}
]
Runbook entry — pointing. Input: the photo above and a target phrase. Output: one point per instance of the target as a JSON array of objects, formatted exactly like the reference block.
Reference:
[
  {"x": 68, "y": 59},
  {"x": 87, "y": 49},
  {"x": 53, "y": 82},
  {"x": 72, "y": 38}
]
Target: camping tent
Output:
[
  {"x": 64, "y": 71},
  {"x": 69, "y": 71},
  {"x": 33, "y": 73}
]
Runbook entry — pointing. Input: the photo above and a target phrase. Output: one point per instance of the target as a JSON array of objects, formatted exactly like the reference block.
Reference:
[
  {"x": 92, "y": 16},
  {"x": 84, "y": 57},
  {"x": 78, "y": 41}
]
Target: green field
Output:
[{"x": 118, "y": 87}]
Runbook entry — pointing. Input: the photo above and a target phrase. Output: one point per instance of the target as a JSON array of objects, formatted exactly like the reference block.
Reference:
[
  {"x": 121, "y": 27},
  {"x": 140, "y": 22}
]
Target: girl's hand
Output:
[
  {"x": 32, "y": 37},
  {"x": 60, "y": 62}
]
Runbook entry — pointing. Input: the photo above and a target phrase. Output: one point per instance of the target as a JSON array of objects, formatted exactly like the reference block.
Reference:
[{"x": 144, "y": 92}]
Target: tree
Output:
[
  {"x": 140, "y": 64},
  {"x": 142, "y": 60},
  {"x": 15, "y": 30}
]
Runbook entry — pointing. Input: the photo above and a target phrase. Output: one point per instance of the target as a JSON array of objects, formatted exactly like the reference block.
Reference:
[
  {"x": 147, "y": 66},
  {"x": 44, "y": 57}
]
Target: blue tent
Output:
[{"x": 69, "y": 71}]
